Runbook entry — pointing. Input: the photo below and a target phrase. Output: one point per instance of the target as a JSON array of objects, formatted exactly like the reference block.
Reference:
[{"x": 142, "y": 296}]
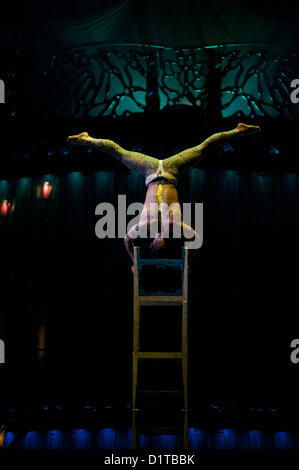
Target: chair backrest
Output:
[{"x": 160, "y": 276}]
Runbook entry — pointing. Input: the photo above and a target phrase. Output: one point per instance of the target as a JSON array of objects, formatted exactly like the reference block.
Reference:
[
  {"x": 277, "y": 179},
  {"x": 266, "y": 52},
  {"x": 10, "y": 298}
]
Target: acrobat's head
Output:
[{"x": 158, "y": 247}]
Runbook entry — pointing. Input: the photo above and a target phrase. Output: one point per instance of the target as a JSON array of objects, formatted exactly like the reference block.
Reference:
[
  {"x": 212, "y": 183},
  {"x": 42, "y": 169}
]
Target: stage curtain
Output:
[{"x": 196, "y": 23}]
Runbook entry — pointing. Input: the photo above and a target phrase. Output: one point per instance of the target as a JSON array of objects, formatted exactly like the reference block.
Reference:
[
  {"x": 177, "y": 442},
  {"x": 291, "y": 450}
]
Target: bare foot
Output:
[
  {"x": 80, "y": 139},
  {"x": 248, "y": 129}
]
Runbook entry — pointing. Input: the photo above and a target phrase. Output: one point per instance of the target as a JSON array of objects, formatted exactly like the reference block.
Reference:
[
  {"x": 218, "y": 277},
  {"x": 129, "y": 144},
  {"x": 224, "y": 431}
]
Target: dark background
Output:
[{"x": 57, "y": 277}]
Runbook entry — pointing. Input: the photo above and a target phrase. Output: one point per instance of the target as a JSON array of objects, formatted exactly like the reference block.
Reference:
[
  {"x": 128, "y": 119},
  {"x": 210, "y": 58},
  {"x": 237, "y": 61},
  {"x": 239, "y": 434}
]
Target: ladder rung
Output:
[
  {"x": 161, "y": 299},
  {"x": 158, "y": 355},
  {"x": 161, "y": 262},
  {"x": 153, "y": 392}
]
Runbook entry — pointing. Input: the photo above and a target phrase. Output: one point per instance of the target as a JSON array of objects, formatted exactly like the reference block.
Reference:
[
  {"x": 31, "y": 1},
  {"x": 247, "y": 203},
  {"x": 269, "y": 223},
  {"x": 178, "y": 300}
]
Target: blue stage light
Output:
[
  {"x": 88, "y": 407},
  {"x": 64, "y": 150},
  {"x": 227, "y": 148},
  {"x": 273, "y": 150}
]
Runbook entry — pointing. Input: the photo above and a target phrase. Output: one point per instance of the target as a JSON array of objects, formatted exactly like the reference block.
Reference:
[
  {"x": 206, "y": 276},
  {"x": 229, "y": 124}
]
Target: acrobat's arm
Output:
[
  {"x": 129, "y": 246},
  {"x": 132, "y": 234}
]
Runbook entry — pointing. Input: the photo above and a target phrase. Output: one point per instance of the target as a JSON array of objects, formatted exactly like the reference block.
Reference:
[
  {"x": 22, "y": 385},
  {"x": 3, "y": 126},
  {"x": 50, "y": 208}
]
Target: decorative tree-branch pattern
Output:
[
  {"x": 118, "y": 80},
  {"x": 257, "y": 82}
]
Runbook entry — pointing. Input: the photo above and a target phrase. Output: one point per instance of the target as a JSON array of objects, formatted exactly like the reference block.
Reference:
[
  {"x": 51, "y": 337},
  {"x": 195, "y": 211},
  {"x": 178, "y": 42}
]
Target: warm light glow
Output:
[
  {"x": 4, "y": 207},
  {"x": 41, "y": 342},
  {"x": 2, "y": 436},
  {"x": 47, "y": 189}
]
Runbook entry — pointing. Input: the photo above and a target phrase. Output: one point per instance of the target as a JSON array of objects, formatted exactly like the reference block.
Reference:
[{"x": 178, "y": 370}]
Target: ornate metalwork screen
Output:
[{"x": 115, "y": 80}]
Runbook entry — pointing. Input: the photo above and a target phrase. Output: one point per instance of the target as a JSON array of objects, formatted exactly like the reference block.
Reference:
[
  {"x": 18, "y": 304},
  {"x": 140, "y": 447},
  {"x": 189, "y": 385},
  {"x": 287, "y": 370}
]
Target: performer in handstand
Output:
[{"x": 160, "y": 178}]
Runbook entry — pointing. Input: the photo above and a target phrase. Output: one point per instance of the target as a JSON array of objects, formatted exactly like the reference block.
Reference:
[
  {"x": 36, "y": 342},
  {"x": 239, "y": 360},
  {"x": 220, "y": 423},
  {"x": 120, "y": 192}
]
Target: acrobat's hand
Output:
[
  {"x": 132, "y": 269},
  {"x": 247, "y": 129},
  {"x": 80, "y": 139}
]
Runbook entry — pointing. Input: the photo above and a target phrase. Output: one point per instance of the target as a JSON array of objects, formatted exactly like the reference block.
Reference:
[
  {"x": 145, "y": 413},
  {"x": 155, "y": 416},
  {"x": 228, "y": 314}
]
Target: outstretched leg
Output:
[
  {"x": 188, "y": 158},
  {"x": 143, "y": 164}
]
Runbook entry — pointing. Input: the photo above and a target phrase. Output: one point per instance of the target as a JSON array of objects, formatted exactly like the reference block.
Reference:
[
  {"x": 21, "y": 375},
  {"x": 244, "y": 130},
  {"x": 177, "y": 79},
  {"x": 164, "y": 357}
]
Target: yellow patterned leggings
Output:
[{"x": 176, "y": 164}]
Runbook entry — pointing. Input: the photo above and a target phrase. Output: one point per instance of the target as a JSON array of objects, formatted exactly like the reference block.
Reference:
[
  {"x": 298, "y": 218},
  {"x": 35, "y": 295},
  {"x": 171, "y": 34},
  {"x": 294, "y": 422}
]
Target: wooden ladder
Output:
[{"x": 175, "y": 298}]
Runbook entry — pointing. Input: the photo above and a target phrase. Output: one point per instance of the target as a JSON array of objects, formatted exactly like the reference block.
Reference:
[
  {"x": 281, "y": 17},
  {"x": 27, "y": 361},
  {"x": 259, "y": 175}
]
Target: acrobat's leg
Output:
[
  {"x": 143, "y": 164},
  {"x": 188, "y": 158}
]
